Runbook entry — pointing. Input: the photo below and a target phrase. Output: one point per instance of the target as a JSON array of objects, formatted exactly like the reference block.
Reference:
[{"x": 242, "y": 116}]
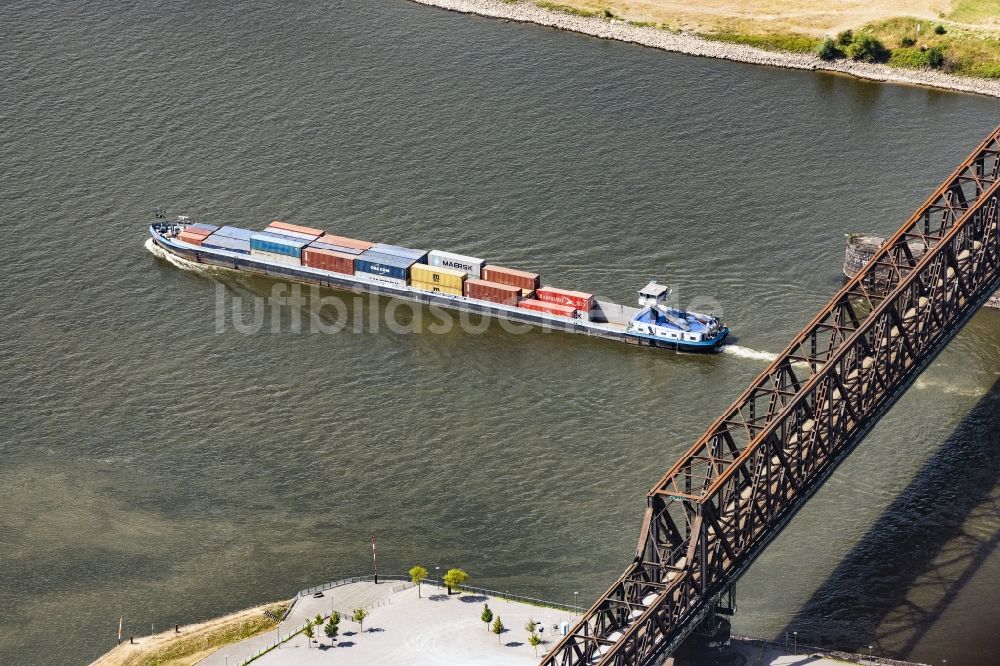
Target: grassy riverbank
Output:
[
  {"x": 196, "y": 641},
  {"x": 959, "y": 37}
]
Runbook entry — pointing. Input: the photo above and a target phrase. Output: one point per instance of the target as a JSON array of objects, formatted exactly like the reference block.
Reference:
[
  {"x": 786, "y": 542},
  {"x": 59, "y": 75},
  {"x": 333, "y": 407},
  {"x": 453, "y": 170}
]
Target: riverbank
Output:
[{"x": 680, "y": 42}]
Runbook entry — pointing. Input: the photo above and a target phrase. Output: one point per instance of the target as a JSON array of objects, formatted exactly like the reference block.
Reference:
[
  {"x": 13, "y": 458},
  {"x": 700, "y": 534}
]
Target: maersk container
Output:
[
  {"x": 208, "y": 228},
  {"x": 335, "y": 248},
  {"x": 471, "y": 265},
  {"x": 343, "y": 241},
  {"x": 217, "y": 242},
  {"x": 386, "y": 265},
  {"x": 445, "y": 277},
  {"x": 418, "y": 256},
  {"x": 276, "y": 244},
  {"x": 235, "y": 232},
  {"x": 309, "y": 231}
]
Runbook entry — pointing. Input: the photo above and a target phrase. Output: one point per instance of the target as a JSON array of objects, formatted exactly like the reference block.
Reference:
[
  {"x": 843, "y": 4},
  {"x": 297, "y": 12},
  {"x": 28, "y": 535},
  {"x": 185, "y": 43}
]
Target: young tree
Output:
[
  {"x": 498, "y": 628},
  {"x": 534, "y": 640},
  {"x": 486, "y": 616},
  {"x": 454, "y": 578},
  {"x": 318, "y": 620},
  {"x": 359, "y": 616},
  {"x": 335, "y": 618},
  {"x": 417, "y": 575},
  {"x": 530, "y": 626},
  {"x": 308, "y": 633},
  {"x": 331, "y": 629}
]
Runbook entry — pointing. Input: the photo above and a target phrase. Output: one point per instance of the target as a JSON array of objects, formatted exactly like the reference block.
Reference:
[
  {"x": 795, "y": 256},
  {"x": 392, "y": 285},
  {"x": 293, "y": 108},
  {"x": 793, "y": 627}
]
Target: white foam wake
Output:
[
  {"x": 179, "y": 262},
  {"x": 746, "y": 352}
]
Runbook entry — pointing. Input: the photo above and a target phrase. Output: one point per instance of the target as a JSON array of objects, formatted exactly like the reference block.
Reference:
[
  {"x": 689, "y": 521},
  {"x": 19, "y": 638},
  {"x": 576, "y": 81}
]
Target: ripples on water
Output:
[{"x": 157, "y": 470}]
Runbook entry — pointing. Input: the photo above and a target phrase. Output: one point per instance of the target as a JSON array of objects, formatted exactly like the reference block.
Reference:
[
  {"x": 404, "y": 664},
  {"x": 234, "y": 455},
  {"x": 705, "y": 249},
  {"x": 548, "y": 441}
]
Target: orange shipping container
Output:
[
  {"x": 278, "y": 224},
  {"x": 551, "y": 308},
  {"x": 511, "y": 276},
  {"x": 491, "y": 291},
  {"x": 328, "y": 260},
  {"x": 575, "y": 299},
  {"x": 330, "y": 239},
  {"x": 193, "y": 238}
]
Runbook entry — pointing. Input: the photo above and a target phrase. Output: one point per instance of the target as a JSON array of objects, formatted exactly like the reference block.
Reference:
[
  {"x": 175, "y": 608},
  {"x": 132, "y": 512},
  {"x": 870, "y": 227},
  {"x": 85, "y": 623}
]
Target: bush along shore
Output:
[{"x": 860, "y": 55}]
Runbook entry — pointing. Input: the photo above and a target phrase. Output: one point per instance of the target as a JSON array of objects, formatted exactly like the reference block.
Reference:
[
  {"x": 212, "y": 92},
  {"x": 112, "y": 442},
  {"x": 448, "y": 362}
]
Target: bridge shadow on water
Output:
[{"x": 927, "y": 545}]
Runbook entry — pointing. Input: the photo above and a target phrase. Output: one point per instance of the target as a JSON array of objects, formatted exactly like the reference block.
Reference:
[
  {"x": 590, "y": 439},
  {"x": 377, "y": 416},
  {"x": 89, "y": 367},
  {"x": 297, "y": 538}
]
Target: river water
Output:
[{"x": 163, "y": 464}]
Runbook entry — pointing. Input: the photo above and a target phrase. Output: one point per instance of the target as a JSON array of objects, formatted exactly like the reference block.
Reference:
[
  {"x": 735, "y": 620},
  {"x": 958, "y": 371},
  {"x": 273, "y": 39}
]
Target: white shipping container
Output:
[
  {"x": 460, "y": 262},
  {"x": 276, "y": 257},
  {"x": 371, "y": 278}
]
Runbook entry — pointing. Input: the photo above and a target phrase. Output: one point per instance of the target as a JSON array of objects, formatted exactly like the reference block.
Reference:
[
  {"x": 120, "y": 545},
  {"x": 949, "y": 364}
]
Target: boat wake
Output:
[
  {"x": 746, "y": 352},
  {"x": 180, "y": 263}
]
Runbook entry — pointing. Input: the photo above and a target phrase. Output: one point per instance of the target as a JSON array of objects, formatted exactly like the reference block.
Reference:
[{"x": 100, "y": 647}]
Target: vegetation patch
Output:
[
  {"x": 791, "y": 42},
  {"x": 930, "y": 44},
  {"x": 576, "y": 11}
]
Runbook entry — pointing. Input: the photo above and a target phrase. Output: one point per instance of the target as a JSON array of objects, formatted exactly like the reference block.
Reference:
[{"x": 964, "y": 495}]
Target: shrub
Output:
[
  {"x": 828, "y": 50},
  {"x": 935, "y": 57},
  {"x": 907, "y": 42},
  {"x": 845, "y": 38},
  {"x": 608, "y": 13},
  {"x": 939, "y": 29},
  {"x": 866, "y": 48}
]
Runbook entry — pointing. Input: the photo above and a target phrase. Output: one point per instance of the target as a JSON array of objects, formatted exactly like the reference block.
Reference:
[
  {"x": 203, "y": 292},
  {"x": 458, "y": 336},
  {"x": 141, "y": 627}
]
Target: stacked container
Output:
[
  {"x": 276, "y": 248},
  {"x": 278, "y": 225},
  {"x": 442, "y": 280},
  {"x": 195, "y": 234},
  {"x": 218, "y": 241},
  {"x": 328, "y": 260},
  {"x": 577, "y": 300},
  {"x": 491, "y": 291},
  {"x": 471, "y": 266},
  {"x": 344, "y": 242},
  {"x": 551, "y": 308},
  {"x": 384, "y": 269},
  {"x": 418, "y": 256},
  {"x": 527, "y": 282}
]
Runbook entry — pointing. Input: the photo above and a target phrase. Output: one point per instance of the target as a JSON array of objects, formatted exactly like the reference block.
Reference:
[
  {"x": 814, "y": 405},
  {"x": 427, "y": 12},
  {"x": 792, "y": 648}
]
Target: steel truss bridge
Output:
[{"x": 737, "y": 487}]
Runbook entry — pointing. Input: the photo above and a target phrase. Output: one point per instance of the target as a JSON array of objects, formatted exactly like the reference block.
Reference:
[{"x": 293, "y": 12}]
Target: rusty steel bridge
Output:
[{"x": 736, "y": 488}]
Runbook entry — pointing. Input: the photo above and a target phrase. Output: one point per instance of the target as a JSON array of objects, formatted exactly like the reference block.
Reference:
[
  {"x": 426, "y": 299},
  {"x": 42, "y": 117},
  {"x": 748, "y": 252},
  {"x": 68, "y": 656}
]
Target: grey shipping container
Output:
[
  {"x": 335, "y": 248},
  {"x": 397, "y": 251},
  {"x": 235, "y": 232},
  {"x": 215, "y": 241}
]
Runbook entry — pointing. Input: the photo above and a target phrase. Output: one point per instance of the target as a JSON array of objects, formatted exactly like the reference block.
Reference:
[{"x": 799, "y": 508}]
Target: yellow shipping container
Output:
[
  {"x": 441, "y": 277},
  {"x": 429, "y": 286}
]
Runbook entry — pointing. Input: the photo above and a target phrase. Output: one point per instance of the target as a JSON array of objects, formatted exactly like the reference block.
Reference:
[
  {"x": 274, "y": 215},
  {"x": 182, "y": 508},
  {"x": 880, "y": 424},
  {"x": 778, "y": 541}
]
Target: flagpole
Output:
[{"x": 374, "y": 561}]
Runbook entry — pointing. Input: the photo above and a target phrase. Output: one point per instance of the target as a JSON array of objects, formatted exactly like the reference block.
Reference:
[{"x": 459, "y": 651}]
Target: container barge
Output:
[{"x": 444, "y": 279}]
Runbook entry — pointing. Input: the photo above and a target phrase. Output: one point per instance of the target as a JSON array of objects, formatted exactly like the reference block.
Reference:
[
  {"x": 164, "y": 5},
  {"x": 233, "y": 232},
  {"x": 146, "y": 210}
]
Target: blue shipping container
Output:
[
  {"x": 386, "y": 265},
  {"x": 397, "y": 251},
  {"x": 277, "y": 244},
  {"x": 335, "y": 248},
  {"x": 204, "y": 227},
  {"x": 217, "y": 242},
  {"x": 235, "y": 232}
]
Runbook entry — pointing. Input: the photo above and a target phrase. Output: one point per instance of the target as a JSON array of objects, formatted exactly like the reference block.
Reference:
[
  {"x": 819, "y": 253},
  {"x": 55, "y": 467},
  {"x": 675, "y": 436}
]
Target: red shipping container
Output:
[
  {"x": 278, "y": 224},
  {"x": 328, "y": 260},
  {"x": 551, "y": 308},
  {"x": 330, "y": 239},
  {"x": 511, "y": 276},
  {"x": 491, "y": 291},
  {"x": 575, "y": 299},
  {"x": 189, "y": 237}
]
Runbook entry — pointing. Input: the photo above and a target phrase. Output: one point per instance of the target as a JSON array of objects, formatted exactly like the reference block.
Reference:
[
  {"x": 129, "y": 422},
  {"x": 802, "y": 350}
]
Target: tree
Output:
[
  {"x": 828, "y": 50},
  {"x": 359, "y": 616},
  {"x": 308, "y": 633},
  {"x": 331, "y": 629},
  {"x": 845, "y": 38},
  {"x": 486, "y": 616},
  {"x": 454, "y": 578},
  {"x": 335, "y": 618},
  {"x": 530, "y": 626},
  {"x": 318, "y": 620},
  {"x": 534, "y": 640},
  {"x": 498, "y": 628},
  {"x": 418, "y": 574},
  {"x": 866, "y": 48}
]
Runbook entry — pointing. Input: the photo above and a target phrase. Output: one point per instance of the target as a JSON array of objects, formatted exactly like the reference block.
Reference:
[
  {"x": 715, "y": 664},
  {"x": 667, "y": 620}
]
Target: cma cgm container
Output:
[
  {"x": 335, "y": 248},
  {"x": 491, "y": 291},
  {"x": 574, "y": 299},
  {"x": 308, "y": 231},
  {"x": 444, "y": 277},
  {"x": 328, "y": 260},
  {"x": 511, "y": 276},
  {"x": 470, "y": 265},
  {"x": 235, "y": 232},
  {"x": 551, "y": 308},
  {"x": 343, "y": 241},
  {"x": 217, "y": 242},
  {"x": 418, "y": 256},
  {"x": 389, "y": 269}
]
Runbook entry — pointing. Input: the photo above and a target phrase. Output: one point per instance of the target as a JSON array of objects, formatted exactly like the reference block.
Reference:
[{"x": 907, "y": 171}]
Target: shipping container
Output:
[
  {"x": 387, "y": 265},
  {"x": 275, "y": 257},
  {"x": 192, "y": 238},
  {"x": 575, "y": 299},
  {"x": 307, "y": 238},
  {"x": 235, "y": 232},
  {"x": 217, "y": 242},
  {"x": 551, "y": 308},
  {"x": 195, "y": 231},
  {"x": 492, "y": 291},
  {"x": 383, "y": 280},
  {"x": 336, "y": 248},
  {"x": 471, "y": 265},
  {"x": 207, "y": 228},
  {"x": 511, "y": 276},
  {"x": 277, "y": 244},
  {"x": 309, "y": 231},
  {"x": 446, "y": 277},
  {"x": 436, "y": 288},
  {"x": 343, "y": 241},
  {"x": 328, "y": 260},
  {"x": 419, "y": 256}
]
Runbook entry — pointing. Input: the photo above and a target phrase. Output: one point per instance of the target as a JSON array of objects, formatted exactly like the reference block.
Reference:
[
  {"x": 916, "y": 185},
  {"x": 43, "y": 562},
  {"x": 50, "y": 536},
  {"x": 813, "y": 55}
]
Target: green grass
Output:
[
  {"x": 967, "y": 52},
  {"x": 556, "y": 7},
  {"x": 974, "y": 11},
  {"x": 791, "y": 42}
]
